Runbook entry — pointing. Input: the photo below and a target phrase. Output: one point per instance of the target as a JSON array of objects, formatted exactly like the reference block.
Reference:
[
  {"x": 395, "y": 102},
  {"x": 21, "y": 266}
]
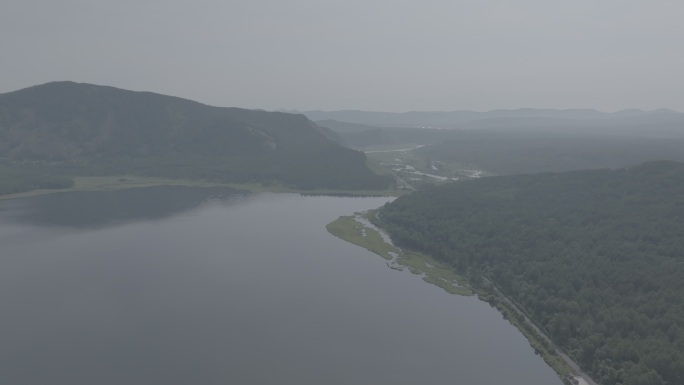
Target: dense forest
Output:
[
  {"x": 529, "y": 151},
  {"x": 519, "y": 145},
  {"x": 596, "y": 258},
  {"x": 73, "y": 129},
  {"x": 361, "y": 136}
]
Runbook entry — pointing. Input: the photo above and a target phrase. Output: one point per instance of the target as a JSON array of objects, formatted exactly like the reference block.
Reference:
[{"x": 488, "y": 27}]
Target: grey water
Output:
[{"x": 179, "y": 285}]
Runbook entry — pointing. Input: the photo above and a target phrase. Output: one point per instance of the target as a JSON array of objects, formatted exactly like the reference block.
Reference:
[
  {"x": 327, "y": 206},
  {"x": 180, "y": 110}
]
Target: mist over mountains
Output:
[
  {"x": 67, "y": 128},
  {"x": 518, "y": 141},
  {"x": 377, "y": 118},
  {"x": 660, "y": 122}
]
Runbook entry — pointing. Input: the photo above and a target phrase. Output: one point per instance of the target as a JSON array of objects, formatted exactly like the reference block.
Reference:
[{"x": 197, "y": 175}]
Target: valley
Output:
[{"x": 457, "y": 187}]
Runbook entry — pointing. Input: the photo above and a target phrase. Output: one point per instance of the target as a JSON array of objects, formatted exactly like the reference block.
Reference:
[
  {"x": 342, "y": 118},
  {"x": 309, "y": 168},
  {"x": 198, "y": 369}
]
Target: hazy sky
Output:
[{"x": 387, "y": 55}]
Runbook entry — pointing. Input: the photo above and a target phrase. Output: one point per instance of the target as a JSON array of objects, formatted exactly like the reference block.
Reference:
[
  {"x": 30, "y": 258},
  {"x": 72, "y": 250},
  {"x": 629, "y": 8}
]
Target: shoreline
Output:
[
  {"x": 358, "y": 230},
  {"x": 122, "y": 182},
  {"x": 355, "y": 229}
]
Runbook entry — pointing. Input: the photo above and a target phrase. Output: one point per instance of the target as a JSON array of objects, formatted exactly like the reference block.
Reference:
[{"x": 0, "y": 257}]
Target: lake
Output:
[{"x": 181, "y": 285}]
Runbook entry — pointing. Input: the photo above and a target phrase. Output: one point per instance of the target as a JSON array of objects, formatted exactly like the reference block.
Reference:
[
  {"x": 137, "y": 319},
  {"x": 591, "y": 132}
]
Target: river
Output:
[{"x": 180, "y": 285}]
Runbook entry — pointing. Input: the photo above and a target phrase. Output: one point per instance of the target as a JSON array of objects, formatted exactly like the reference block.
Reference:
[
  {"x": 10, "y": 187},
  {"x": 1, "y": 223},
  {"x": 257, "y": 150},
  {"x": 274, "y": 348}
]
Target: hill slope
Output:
[
  {"x": 360, "y": 135},
  {"x": 660, "y": 122},
  {"x": 595, "y": 257},
  {"x": 528, "y": 151},
  {"x": 89, "y": 129}
]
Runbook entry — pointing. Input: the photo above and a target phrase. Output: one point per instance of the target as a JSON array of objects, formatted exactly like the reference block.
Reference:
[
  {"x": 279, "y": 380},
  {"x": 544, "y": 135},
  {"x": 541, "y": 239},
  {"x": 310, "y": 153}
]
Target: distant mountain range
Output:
[
  {"x": 528, "y": 140},
  {"x": 88, "y": 129},
  {"x": 662, "y": 121}
]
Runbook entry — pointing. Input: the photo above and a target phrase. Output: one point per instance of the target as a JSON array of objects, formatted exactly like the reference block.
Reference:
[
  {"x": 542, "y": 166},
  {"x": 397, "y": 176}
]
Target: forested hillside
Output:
[
  {"x": 521, "y": 151},
  {"x": 359, "y": 135},
  {"x": 507, "y": 146},
  {"x": 69, "y": 128},
  {"x": 596, "y": 258}
]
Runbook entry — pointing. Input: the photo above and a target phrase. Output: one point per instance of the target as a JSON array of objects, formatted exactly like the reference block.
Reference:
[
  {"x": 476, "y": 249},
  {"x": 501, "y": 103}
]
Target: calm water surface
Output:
[{"x": 177, "y": 285}]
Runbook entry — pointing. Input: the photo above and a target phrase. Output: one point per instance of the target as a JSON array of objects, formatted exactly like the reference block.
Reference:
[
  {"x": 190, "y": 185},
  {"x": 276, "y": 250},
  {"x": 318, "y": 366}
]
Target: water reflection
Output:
[
  {"x": 251, "y": 290},
  {"x": 89, "y": 209}
]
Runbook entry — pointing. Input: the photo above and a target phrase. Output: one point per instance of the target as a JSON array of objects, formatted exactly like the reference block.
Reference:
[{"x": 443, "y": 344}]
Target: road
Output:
[{"x": 583, "y": 378}]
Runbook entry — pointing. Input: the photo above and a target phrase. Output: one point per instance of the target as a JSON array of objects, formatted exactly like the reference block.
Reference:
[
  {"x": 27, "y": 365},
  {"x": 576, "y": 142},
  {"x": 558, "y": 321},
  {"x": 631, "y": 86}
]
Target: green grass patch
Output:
[
  {"x": 438, "y": 274},
  {"x": 434, "y": 272},
  {"x": 110, "y": 183},
  {"x": 351, "y": 230},
  {"x": 390, "y": 147},
  {"x": 448, "y": 286},
  {"x": 121, "y": 182}
]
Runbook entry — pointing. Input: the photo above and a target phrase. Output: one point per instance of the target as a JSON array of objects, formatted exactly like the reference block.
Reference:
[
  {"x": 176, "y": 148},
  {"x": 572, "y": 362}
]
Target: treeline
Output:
[
  {"x": 596, "y": 258},
  {"x": 527, "y": 151},
  {"x": 331, "y": 167},
  {"x": 13, "y": 180}
]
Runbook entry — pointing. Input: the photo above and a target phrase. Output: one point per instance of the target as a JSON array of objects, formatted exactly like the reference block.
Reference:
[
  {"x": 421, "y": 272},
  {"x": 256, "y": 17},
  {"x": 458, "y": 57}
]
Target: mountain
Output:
[
  {"x": 345, "y": 127},
  {"x": 635, "y": 134},
  {"x": 88, "y": 129},
  {"x": 528, "y": 145},
  {"x": 661, "y": 120},
  {"x": 529, "y": 151},
  {"x": 361, "y": 135},
  {"x": 595, "y": 258}
]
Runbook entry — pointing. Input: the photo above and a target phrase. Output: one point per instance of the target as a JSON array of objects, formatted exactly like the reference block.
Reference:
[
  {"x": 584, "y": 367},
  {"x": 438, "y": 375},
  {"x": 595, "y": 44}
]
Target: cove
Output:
[{"x": 181, "y": 285}]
